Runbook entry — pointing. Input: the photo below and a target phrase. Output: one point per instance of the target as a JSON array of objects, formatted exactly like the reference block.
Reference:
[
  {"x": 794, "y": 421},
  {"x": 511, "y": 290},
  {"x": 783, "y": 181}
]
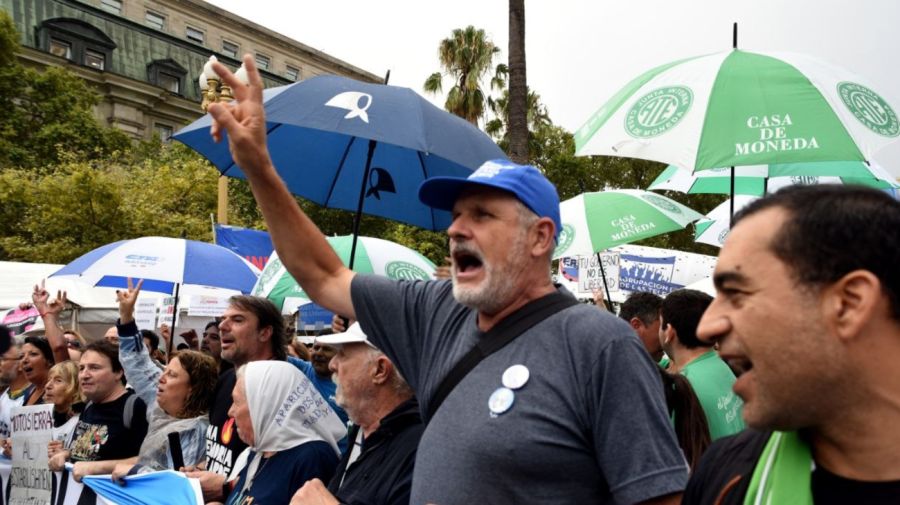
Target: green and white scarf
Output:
[{"x": 783, "y": 473}]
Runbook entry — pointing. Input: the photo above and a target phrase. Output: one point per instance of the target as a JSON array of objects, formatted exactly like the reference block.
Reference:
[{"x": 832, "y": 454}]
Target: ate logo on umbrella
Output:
[
  {"x": 869, "y": 108},
  {"x": 405, "y": 271},
  {"x": 566, "y": 236},
  {"x": 662, "y": 203},
  {"x": 349, "y": 100},
  {"x": 658, "y": 111}
]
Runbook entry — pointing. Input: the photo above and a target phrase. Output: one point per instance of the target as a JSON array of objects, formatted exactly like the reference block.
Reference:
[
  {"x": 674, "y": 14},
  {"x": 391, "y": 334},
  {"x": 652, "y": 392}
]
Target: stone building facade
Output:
[{"x": 145, "y": 56}]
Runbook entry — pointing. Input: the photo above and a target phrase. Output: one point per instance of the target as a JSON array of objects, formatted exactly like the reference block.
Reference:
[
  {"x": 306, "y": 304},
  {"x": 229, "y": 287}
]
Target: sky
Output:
[{"x": 580, "y": 52}]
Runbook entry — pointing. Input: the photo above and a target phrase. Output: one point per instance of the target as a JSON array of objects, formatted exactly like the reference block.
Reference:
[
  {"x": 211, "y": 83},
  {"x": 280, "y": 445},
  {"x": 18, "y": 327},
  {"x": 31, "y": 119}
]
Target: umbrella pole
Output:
[
  {"x": 172, "y": 331},
  {"x": 362, "y": 197},
  {"x": 605, "y": 285},
  {"x": 731, "y": 215}
]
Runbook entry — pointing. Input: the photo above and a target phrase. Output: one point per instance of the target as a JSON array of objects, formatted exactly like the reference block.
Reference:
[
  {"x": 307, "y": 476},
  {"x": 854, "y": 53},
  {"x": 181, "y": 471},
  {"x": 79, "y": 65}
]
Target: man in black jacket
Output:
[
  {"x": 808, "y": 303},
  {"x": 378, "y": 465}
]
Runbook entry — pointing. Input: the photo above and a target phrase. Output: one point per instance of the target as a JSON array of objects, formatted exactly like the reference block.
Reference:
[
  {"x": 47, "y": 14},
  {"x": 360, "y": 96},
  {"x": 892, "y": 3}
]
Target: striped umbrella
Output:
[
  {"x": 756, "y": 180},
  {"x": 739, "y": 108},
  {"x": 373, "y": 256}
]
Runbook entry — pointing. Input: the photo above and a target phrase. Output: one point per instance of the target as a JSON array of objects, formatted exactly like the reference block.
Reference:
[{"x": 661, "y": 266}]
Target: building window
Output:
[
  {"x": 195, "y": 35},
  {"x": 61, "y": 48},
  {"x": 230, "y": 49},
  {"x": 167, "y": 74},
  {"x": 94, "y": 59},
  {"x": 263, "y": 62},
  {"x": 114, "y": 6},
  {"x": 292, "y": 73},
  {"x": 170, "y": 82},
  {"x": 164, "y": 131},
  {"x": 77, "y": 41},
  {"x": 155, "y": 20}
]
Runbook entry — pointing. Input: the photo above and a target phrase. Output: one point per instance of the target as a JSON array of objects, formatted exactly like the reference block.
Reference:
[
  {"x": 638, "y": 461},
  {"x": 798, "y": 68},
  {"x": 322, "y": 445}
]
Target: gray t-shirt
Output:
[{"x": 589, "y": 426}]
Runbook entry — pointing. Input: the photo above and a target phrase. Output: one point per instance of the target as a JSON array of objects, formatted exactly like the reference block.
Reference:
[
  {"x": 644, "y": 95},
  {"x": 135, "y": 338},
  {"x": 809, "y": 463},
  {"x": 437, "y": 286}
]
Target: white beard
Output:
[{"x": 500, "y": 281}]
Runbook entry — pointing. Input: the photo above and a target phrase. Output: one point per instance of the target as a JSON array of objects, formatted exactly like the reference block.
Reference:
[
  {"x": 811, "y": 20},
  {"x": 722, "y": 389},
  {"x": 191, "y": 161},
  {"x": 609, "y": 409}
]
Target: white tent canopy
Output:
[{"x": 96, "y": 306}]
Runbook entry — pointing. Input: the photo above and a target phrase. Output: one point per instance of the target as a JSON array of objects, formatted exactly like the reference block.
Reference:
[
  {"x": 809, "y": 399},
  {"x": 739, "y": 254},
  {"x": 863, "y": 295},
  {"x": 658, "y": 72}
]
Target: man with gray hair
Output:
[
  {"x": 386, "y": 428},
  {"x": 566, "y": 408}
]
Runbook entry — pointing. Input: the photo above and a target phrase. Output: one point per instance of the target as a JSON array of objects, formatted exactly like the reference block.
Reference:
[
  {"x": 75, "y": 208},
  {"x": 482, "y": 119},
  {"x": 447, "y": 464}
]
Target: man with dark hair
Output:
[
  {"x": 641, "y": 311},
  {"x": 518, "y": 427},
  {"x": 808, "y": 301},
  {"x": 151, "y": 343},
  {"x": 15, "y": 387},
  {"x": 251, "y": 329},
  {"x": 113, "y": 424},
  {"x": 679, "y": 314}
]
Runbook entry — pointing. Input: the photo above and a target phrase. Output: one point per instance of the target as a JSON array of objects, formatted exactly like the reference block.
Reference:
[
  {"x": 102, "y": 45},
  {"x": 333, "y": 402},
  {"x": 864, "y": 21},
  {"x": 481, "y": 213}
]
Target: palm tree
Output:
[
  {"x": 536, "y": 119},
  {"x": 467, "y": 56},
  {"x": 517, "y": 125}
]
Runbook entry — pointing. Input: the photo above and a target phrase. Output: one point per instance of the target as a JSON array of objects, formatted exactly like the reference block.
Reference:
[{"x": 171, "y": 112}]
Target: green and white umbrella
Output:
[
  {"x": 373, "y": 256},
  {"x": 738, "y": 109},
  {"x": 714, "y": 227},
  {"x": 758, "y": 179},
  {"x": 592, "y": 222}
]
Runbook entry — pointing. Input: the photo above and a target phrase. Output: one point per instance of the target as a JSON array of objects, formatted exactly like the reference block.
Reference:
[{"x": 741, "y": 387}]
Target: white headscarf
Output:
[{"x": 286, "y": 410}]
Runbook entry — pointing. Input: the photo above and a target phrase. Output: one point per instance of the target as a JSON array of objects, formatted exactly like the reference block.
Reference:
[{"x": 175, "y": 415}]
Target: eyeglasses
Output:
[
  {"x": 73, "y": 344},
  {"x": 211, "y": 336}
]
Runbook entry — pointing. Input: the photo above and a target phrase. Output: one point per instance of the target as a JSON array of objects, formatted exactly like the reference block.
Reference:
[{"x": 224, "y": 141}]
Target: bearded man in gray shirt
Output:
[{"x": 572, "y": 411}]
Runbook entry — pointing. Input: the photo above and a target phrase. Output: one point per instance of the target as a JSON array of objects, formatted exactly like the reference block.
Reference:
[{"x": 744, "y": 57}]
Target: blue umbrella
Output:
[
  {"x": 165, "y": 264},
  {"x": 358, "y": 146}
]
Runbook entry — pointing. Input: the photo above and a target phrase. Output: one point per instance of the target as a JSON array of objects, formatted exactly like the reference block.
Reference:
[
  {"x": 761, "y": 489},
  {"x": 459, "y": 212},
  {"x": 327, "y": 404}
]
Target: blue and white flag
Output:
[{"x": 167, "y": 487}]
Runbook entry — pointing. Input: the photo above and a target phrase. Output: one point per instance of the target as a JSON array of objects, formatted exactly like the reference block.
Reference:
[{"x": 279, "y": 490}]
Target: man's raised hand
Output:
[{"x": 243, "y": 119}]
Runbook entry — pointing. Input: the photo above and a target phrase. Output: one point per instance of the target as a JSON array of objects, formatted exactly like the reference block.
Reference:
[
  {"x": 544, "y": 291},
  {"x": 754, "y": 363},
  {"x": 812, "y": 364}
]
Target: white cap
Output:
[{"x": 354, "y": 334}]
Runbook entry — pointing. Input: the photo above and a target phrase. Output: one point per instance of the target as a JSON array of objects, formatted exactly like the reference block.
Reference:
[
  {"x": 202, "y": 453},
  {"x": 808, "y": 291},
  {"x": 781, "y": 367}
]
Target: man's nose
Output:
[{"x": 714, "y": 325}]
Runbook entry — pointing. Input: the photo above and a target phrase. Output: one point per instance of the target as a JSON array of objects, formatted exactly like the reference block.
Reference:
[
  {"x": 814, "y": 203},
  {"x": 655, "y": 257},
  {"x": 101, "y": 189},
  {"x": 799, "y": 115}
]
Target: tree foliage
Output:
[
  {"x": 536, "y": 117},
  {"x": 46, "y": 115},
  {"x": 467, "y": 56},
  {"x": 57, "y": 215}
]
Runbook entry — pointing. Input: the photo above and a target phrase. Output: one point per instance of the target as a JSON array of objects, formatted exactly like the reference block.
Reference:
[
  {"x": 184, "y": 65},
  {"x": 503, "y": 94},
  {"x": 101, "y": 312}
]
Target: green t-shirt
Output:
[{"x": 712, "y": 381}]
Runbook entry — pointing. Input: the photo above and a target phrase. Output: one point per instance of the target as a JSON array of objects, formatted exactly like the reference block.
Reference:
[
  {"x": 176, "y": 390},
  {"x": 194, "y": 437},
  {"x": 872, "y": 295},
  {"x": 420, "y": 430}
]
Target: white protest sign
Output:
[
  {"x": 209, "y": 306},
  {"x": 166, "y": 308},
  {"x": 145, "y": 313},
  {"x": 590, "y": 275},
  {"x": 30, "y": 480}
]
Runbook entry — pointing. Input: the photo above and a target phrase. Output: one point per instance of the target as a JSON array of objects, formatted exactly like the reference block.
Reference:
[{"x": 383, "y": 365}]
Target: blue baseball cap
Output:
[{"x": 525, "y": 182}]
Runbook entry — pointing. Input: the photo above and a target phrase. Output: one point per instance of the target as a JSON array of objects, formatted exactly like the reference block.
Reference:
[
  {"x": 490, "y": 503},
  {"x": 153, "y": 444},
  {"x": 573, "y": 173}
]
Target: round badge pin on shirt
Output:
[
  {"x": 516, "y": 376},
  {"x": 500, "y": 401}
]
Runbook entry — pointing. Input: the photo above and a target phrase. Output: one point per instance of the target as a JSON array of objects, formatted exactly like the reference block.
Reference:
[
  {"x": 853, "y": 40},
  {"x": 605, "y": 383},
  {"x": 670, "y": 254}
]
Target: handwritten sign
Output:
[{"x": 31, "y": 481}]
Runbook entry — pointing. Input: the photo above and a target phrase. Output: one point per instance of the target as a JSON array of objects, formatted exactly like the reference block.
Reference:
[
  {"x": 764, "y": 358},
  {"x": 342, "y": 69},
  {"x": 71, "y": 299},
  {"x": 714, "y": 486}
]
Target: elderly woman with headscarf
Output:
[{"x": 291, "y": 430}]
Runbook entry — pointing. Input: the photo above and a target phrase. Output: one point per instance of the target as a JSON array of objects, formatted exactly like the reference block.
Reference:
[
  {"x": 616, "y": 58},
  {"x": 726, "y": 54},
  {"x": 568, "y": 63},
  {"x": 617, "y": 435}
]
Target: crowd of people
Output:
[{"x": 496, "y": 386}]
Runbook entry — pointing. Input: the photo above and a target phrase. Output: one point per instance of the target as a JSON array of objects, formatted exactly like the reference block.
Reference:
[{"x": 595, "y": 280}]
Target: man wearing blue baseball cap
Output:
[{"x": 529, "y": 396}]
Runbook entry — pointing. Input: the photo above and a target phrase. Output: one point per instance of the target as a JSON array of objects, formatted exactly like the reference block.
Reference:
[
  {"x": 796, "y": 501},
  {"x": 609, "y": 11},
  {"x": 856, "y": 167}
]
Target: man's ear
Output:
[
  {"x": 383, "y": 370},
  {"x": 543, "y": 243},
  {"x": 636, "y": 323},
  {"x": 853, "y": 302},
  {"x": 265, "y": 334}
]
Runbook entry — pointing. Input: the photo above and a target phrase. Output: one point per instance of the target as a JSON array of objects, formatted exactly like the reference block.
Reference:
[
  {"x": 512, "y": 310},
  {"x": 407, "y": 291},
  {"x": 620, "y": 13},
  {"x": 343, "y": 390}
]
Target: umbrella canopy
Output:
[
  {"x": 714, "y": 227},
  {"x": 374, "y": 256},
  {"x": 330, "y": 135},
  {"x": 756, "y": 180},
  {"x": 593, "y": 222},
  {"x": 739, "y": 108},
  {"x": 163, "y": 263}
]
